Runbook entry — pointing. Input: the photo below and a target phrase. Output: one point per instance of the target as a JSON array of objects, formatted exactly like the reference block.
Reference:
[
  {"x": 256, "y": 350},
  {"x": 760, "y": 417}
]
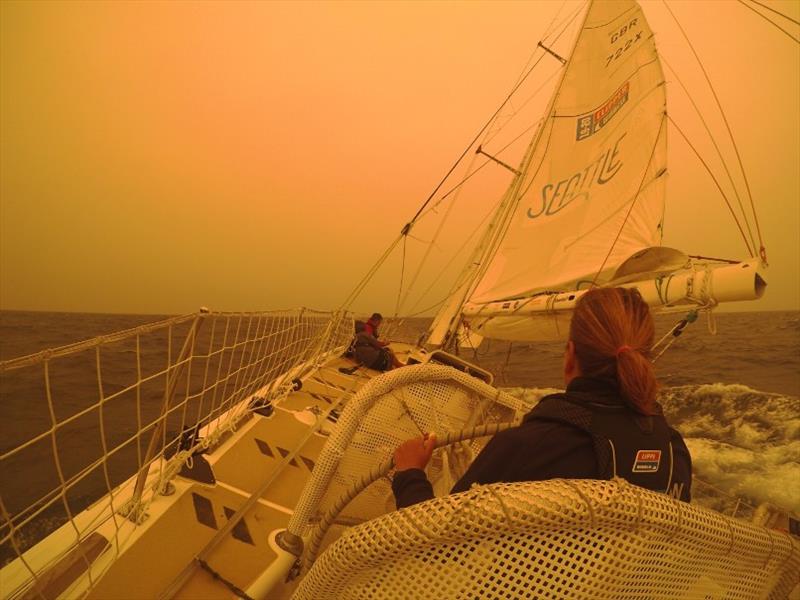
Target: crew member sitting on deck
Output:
[
  {"x": 607, "y": 423},
  {"x": 371, "y": 352}
]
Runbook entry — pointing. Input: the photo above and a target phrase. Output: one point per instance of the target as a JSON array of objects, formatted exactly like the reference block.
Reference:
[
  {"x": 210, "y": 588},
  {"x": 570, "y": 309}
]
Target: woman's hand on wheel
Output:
[{"x": 414, "y": 453}]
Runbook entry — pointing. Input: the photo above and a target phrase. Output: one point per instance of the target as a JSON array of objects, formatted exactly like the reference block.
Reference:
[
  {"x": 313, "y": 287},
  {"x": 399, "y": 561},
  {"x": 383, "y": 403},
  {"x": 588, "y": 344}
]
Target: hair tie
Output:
[{"x": 622, "y": 349}]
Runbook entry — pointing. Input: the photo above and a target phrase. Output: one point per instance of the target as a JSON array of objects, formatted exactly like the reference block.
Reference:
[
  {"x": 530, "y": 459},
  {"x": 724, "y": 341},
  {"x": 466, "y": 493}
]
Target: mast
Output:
[{"x": 447, "y": 321}]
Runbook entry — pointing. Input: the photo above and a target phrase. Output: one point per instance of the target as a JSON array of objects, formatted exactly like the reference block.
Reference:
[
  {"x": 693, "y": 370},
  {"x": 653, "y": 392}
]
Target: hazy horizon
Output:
[
  {"x": 157, "y": 157},
  {"x": 722, "y": 309}
]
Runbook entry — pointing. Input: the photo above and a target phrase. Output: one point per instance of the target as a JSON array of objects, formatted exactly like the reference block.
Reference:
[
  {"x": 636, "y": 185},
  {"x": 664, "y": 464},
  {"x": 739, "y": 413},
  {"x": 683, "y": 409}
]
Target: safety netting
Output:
[{"x": 83, "y": 419}]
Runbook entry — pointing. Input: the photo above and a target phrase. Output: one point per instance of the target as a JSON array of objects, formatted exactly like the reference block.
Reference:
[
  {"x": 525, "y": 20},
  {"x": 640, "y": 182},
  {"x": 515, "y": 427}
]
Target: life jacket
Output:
[
  {"x": 635, "y": 447},
  {"x": 371, "y": 328}
]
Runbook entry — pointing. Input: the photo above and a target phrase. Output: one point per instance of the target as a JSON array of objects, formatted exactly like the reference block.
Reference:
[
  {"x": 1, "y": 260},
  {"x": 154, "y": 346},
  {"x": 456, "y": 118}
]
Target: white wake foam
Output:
[{"x": 742, "y": 441}]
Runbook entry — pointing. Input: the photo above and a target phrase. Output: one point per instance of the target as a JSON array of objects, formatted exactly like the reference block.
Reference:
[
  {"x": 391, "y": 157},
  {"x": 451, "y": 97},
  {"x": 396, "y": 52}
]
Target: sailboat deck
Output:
[{"x": 241, "y": 465}]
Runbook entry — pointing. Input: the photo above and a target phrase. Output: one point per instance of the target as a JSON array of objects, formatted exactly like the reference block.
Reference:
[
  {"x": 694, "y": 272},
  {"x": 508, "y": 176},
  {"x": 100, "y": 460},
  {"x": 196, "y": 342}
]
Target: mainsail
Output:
[
  {"x": 601, "y": 155},
  {"x": 587, "y": 203}
]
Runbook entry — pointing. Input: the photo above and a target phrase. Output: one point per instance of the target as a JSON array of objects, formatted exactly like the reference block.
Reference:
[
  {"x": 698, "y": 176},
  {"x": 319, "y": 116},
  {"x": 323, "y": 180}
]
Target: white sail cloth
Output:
[{"x": 597, "y": 165}]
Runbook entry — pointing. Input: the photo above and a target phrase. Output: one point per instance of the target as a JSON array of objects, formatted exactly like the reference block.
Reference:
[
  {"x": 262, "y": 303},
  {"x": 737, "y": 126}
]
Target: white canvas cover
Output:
[{"x": 602, "y": 149}]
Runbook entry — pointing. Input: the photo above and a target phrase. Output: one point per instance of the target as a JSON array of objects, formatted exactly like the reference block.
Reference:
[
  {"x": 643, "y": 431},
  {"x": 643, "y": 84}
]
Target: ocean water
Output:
[{"x": 734, "y": 395}]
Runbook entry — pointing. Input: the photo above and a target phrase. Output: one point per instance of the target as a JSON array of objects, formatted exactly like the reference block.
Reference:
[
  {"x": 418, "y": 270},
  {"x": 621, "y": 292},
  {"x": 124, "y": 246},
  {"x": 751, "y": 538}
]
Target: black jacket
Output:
[
  {"x": 588, "y": 432},
  {"x": 368, "y": 350}
]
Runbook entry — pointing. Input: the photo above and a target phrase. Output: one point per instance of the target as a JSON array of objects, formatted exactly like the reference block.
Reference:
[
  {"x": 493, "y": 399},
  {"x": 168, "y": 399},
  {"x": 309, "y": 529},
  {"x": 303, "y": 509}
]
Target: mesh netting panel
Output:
[
  {"x": 404, "y": 413},
  {"x": 390, "y": 409},
  {"x": 140, "y": 401},
  {"x": 556, "y": 539}
]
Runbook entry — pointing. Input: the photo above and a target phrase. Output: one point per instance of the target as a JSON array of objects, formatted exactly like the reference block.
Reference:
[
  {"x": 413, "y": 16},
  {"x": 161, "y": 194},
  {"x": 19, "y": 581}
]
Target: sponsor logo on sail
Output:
[
  {"x": 592, "y": 122},
  {"x": 557, "y": 196}
]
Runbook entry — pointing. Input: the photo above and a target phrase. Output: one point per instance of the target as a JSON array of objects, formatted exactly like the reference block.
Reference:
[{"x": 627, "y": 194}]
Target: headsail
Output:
[{"x": 601, "y": 155}]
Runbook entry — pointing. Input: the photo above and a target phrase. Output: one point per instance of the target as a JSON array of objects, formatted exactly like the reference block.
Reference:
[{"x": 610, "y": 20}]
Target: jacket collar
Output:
[{"x": 604, "y": 390}]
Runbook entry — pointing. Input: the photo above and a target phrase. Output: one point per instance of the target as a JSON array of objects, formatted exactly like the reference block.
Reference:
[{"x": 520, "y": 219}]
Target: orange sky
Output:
[{"x": 160, "y": 156}]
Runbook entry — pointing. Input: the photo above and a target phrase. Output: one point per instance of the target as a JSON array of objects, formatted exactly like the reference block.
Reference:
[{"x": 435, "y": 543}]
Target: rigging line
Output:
[
  {"x": 475, "y": 139},
  {"x": 494, "y": 118},
  {"x": 362, "y": 284},
  {"x": 475, "y": 356},
  {"x": 527, "y": 156},
  {"x": 417, "y": 239},
  {"x": 635, "y": 197},
  {"x": 486, "y": 125},
  {"x": 770, "y": 21},
  {"x": 568, "y": 20},
  {"x": 486, "y": 162},
  {"x": 703, "y": 162},
  {"x": 436, "y": 305},
  {"x": 438, "y": 231},
  {"x": 468, "y": 239},
  {"x": 787, "y": 17},
  {"x": 491, "y": 137},
  {"x": 730, "y": 132},
  {"x": 716, "y": 147},
  {"x": 548, "y": 30},
  {"x": 402, "y": 274},
  {"x": 436, "y": 235}
]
